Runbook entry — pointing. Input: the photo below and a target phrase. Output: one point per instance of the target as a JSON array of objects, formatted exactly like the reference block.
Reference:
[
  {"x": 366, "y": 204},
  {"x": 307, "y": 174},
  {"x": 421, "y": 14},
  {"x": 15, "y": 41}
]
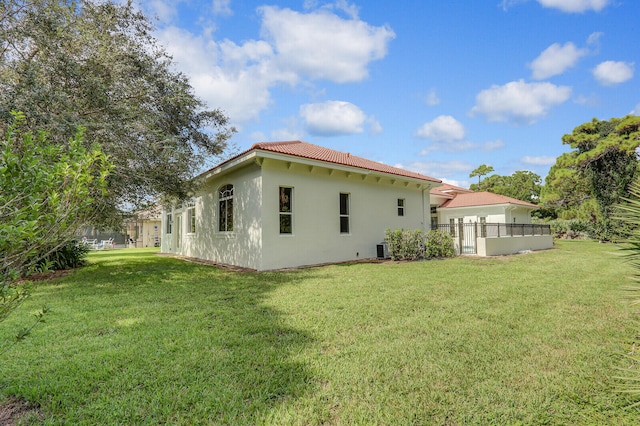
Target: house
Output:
[
  {"x": 487, "y": 224},
  {"x": 144, "y": 227},
  {"x": 288, "y": 204}
]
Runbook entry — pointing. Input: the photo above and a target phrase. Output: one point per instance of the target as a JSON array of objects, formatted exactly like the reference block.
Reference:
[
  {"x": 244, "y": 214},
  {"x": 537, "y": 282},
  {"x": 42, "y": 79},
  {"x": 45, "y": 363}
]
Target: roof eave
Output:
[
  {"x": 255, "y": 153},
  {"x": 493, "y": 205}
]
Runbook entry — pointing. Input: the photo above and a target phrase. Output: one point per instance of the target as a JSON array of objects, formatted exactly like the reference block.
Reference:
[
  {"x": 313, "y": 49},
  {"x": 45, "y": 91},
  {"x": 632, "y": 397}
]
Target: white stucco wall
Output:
[
  {"x": 494, "y": 214},
  {"x": 256, "y": 241},
  {"x": 242, "y": 247},
  {"x": 509, "y": 245},
  {"x": 316, "y": 236}
]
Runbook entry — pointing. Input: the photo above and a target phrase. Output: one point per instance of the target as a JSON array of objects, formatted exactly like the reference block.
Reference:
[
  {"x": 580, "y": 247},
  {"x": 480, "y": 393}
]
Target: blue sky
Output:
[{"x": 436, "y": 87}]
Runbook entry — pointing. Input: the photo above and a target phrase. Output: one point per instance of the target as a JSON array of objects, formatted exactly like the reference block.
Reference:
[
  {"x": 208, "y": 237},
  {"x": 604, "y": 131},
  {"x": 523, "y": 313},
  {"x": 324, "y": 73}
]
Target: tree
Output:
[
  {"x": 482, "y": 170},
  {"x": 566, "y": 191},
  {"x": 629, "y": 213},
  {"x": 48, "y": 191},
  {"x": 601, "y": 167},
  {"x": 521, "y": 185},
  {"x": 95, "y": 64}
]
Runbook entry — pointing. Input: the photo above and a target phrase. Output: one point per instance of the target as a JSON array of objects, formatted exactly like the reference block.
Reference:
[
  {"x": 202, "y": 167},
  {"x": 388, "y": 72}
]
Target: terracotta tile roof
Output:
[
  {"x": 448, "y": 191},
  {"x": 482, "y": 199},
  {"x": 315, "y": 152}
]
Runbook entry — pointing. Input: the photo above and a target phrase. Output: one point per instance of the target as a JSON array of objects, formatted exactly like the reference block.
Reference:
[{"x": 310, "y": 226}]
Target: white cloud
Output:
[
  {"x": 375, "y": 128},
  {"x": 610, "y": 73},
  {"x": 333, "y": 118},
  {"x": 286, "y": 135},
  {"x": 443, "y": 128},
  {"x": 235, "y": 78},
  {"x": 432, "y": 98},
  {"x": 447, "y": 134},
  {"x": 587, "y": 100},
  {"x": 258, "y": 137},
  {"x": 298, "y": 47},
  {"x": 459, "y": 146},
  {"x": 635, "y": 110},
  {"x": 222, "y": 7},
  {"x": 594, "y": 38},
  {"x": 575, "y": 6},
  {"x": 438, "y": 168},
  {"x": 460, "y": 183},
  {"x": 539, "y": 161},
  {"x": 349, "y": 9},
  {"x": 321, "y": 45},
  {"x": 519, "y": 101},
  {"x": 164, "y": 10},
  {"x": 492, "y": 145},
  {"x": 555, "y": 60}
]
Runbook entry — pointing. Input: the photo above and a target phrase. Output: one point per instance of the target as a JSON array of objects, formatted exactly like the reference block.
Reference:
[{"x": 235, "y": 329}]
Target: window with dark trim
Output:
[
  {"x": 400, "y": 206},
  {"x": 169, "y": 222},
  {"x": 225, "y": 203},
  {"x": 344, "y": 213},
  {"x": 286, "y": 210},
  {"x": 191, "y": 219}
]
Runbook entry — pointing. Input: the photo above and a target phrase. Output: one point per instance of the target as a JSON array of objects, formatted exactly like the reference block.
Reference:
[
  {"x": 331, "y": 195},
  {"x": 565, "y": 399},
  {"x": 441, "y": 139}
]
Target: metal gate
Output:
[{"x": 466, "y": 234}]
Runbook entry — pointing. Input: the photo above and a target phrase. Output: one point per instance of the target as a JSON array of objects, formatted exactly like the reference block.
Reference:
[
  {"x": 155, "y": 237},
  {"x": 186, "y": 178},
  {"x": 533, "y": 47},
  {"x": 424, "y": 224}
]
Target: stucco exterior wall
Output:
[
  {"x": 256, "y": 241},
  {"x": 242, "y": 246},
  {"x": 316, "y": 236},
  {"x": 148, "y": 233},
  {"x": 493, "y": 214},
  {"x": 510, "y": 245}
]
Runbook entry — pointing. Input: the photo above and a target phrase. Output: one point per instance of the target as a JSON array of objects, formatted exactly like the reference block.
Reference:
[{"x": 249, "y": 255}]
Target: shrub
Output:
[
  {"x": 572, "y": 229},
  {"x": 72, "y": 255},
  {"x": 439, "y": 243},
  {"x": 394, "y": 242},
  {"x": 414, "y": 244}
]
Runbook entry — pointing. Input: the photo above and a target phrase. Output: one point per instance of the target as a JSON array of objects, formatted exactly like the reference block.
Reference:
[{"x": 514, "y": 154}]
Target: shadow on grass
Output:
[{"x": 137, "y": 338}]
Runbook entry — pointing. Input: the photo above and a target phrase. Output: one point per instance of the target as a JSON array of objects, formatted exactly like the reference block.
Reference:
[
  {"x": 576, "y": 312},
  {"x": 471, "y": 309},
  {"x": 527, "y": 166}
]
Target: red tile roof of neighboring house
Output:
[
  {"x": 448, "y": 191},
  {"x": 473, "y": 199},
  {"x": 315, "y": 152}
]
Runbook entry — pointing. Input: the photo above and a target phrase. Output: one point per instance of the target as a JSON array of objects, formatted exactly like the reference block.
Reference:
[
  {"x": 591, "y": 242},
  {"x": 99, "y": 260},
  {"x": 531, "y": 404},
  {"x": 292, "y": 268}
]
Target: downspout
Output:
[{"x": 424, "y": 212}]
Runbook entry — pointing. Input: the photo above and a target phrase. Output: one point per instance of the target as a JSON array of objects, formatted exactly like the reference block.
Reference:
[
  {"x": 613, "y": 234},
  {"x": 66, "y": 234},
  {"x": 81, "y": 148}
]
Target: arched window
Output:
[{"x": 225, "y": 201}]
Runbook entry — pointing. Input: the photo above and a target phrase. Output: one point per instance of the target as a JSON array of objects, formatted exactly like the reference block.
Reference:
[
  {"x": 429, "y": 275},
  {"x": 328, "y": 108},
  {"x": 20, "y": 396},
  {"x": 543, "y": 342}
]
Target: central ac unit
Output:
[{"x": 382, "y": 250}]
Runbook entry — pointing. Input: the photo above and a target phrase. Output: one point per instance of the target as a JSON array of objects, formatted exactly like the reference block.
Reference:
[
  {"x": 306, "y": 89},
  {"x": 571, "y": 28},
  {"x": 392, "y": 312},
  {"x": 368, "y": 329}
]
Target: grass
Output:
[{"x": 137, "y": 338}]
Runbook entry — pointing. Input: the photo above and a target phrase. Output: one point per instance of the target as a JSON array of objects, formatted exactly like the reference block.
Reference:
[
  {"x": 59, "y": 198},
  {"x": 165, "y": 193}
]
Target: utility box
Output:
[{"x": 382, "y": 250}]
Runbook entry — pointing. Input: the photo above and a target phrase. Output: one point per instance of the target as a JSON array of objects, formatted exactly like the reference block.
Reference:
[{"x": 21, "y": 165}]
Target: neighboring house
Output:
[
  {"x": 145, "y": 227},
  {"x": 288, "y": 204},
  {"x": 488, "y": 224}
]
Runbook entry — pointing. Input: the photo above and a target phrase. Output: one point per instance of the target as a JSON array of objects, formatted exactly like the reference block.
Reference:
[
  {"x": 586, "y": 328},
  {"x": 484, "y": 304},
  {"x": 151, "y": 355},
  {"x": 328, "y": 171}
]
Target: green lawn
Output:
[{"x": 137, "y": 338}]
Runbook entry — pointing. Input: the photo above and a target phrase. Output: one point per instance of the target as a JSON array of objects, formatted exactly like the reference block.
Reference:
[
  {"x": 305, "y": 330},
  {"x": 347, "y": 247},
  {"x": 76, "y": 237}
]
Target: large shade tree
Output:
[
  {"x": 522, "y": 185},
  {"x": 598, "y": 171},
  {"x": 96, "y": 64}
]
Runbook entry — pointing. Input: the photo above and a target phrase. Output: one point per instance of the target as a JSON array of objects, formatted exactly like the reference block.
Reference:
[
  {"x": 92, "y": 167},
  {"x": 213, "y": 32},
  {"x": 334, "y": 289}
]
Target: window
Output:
[
  {"x": 400, "y": 206},
  {"x": 286, "y": 210},
  {"x": 169, "y": 222},
  {"x": 483, "y": 227},
  {"x": 344, "y": 213},
  {"x": 191, "y": 218},
  {"x": 452, "y": 227},
  {"x": 225, "y": 200}
]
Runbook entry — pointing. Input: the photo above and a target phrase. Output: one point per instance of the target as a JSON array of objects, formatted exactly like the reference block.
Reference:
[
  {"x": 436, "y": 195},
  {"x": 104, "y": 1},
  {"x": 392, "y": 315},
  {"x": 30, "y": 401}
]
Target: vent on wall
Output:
[{"x": 382, "y": 250}]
